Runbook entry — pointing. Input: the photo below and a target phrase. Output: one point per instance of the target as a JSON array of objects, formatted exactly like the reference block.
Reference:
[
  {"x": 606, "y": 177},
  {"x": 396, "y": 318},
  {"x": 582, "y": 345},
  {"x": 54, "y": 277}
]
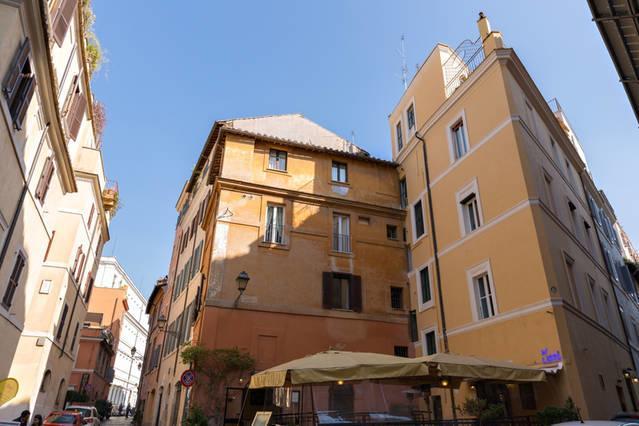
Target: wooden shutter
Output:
[
  {"x": 62, "y": 321},
  {"x": 39, "y": 193},
  {"x": 327, "y": 290},
  {"x": 412, "y": 326},
  {"x": 14, "y": 280},
  {"x": 75, "y": 114},
  {"x": 22, "y": 103},
  {"x": 77, "y": 259},
  {"x": 356, "y": 293},
  {"x": 15, "y": 76},
  {"x": 62, "y": 19}
]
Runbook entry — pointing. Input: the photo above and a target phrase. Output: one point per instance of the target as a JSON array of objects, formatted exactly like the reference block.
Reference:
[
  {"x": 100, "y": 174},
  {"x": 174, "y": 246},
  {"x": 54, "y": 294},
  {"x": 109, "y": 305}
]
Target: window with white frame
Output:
[
  {"x": 425, "y": 293},
  {"x": 459, "y": 140},
  {"x": 410, "y": 118},
  {"x": 341, "y": 233},
  {"x": 277, "y": 160},
  {"x": 339, "y": 172},
  {"x": 274, "y": 232},
  {"x": 469, "y": 206},
  {"x": 418, "y": 219},
  {"x": 484, "y": 297},
  {"x": 398, "y": 135},
  {"x": 430, "y": 342}
]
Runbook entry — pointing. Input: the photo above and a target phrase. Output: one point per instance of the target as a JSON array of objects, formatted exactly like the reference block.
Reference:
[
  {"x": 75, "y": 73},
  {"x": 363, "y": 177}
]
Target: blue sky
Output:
[{"x": 173, "y": 69}]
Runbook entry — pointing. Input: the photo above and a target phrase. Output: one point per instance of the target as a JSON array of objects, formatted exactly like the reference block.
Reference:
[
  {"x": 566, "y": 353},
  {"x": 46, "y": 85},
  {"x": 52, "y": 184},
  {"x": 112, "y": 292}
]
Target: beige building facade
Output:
[
  {"x": 505, "y": 261},
  {"x": 316, "y": 224},
  {"x": 53, "y": 218}
]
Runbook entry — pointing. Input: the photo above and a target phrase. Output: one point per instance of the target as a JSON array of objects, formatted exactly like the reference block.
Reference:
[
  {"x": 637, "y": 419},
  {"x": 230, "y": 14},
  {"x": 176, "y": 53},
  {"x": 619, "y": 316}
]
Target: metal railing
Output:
[
  {"x": 342, "y": 243},
  {"x": 461, "y": 63},
  {"x": 274, "y": 234}
]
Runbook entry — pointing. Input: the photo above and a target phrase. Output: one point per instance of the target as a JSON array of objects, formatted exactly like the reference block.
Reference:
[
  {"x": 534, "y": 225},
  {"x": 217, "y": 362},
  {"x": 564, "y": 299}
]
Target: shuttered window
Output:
[
  {"x": 342, "y": 291},
  {"x": 14, "y": 280},
  {"x": 412, "y": 326},
  {"x": 76, "y": 113},
  {"x": 63, "y": 319},
  {"x": 62, "y": 19},
  {"x": 45, "y": 179},
  {"x": 19, "y": 84}
]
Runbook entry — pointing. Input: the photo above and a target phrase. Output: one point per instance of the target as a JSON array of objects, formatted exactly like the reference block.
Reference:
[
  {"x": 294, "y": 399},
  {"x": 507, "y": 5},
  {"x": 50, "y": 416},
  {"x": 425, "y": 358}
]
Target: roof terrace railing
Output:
[{"x": 461, "y": 63}]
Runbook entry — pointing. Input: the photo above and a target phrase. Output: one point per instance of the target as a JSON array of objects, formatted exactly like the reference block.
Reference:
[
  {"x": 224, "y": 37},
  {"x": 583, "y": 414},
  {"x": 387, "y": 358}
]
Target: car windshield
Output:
[
  {"x": 61, "y": 419},
  {"x": 86, "y": 412}
]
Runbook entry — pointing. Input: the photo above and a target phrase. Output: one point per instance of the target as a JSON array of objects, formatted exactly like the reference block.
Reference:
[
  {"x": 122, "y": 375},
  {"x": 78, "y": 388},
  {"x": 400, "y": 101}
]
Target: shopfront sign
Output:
[{"x": 548, "y": 357}]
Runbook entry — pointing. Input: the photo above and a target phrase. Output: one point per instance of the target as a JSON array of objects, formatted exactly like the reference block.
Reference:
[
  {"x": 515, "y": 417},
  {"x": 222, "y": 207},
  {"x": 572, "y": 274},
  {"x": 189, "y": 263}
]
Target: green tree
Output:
[{"x": 215, "y": 369}]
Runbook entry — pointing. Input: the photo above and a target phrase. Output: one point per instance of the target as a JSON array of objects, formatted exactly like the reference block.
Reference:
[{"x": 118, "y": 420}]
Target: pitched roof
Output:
[{"x": 295, "y": 127}]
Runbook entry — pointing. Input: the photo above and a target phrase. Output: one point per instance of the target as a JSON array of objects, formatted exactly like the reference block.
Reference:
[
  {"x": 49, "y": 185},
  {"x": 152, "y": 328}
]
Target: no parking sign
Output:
[{"x": 188, "y": 378}]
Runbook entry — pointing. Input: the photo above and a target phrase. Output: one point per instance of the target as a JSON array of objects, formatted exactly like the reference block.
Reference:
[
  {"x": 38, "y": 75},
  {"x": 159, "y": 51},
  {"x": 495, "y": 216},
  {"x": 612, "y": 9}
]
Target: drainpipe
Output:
[{"x": 435, "y": 250}]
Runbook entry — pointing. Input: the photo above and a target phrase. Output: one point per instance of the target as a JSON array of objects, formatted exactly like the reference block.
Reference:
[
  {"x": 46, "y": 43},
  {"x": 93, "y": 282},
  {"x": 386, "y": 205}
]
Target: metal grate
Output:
[{"x": 461, "y": 63}]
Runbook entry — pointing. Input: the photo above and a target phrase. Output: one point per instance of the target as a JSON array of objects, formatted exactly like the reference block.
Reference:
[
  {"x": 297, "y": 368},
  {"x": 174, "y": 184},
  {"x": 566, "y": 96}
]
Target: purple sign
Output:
[{"x": 550, "y": 358}]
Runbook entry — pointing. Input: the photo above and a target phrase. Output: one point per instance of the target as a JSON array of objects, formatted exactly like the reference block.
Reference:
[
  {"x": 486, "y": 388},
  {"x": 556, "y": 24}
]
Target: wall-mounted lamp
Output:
[{"x": 242, "y": 281}]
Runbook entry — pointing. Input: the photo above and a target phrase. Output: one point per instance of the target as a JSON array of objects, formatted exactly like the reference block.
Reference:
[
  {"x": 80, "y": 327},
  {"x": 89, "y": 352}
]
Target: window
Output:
[
  {"x": 340, "y": 172},
  {"x": 418, "y": 220},
  {"x": 19, "y": 85},
  {"x": 277, "y": 160},
  {"x": 397, "y": 297},
  {"x": 62, "y": 19},
  {"x": 45, "y": 180},
  {"x": 46, "y": 380},
  {"x": 412, "y": 326},
  {"x": 401, "y": 351},
  {"x": 605, "y": 307},
  {"x": 391, "y": 232},
  {"x": 470, "y": 212},
  {"x": 570, "y": 276},
  {"x": 593, "y": 298},
  {"x": 527, "y": 396},
  {"x": 274, "y": 224},
  {"x": 63, "y": 318},
  {"x": 341, "y": 233},
  {"x": 76, "y": 110},
  {"x": 91, "y": 216},
  {"x": 549, "y": 193},
  {"x": 573, "y": 218},
  {"x": 403, "y": 193},
  {"x": 75, "y": 336},
  {"x": 342, "y": 291},
  {"x": 460, "y": 144},
  {"x": 410, "y": 117},
  {"x": 587, "y": 235},
  {"x": 425, "y": 294},
  {"x": 571, "y": 177},
  {"x": 430, "y": 343},
  {"x": 398, "y": 135},
  {"x": 484, "y": 299},
  {"x": 14, "y": 280}
]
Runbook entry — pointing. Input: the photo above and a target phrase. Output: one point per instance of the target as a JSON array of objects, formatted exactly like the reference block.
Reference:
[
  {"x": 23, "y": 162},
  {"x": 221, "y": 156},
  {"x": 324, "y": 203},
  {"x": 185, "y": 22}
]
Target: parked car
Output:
[
  {"x": 89, "y": 413},
  {"x": 70, "y": 418},
  {"x": 626, "y": 417}
]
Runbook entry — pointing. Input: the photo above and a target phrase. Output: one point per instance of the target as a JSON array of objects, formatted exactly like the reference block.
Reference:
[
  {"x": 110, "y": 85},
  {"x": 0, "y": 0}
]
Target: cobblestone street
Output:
[{"x": 113, "y": 421}]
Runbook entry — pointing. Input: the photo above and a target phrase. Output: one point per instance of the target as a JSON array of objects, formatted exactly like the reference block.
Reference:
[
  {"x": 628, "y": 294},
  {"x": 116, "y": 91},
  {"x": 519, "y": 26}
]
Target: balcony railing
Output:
[
  {"x": 342, "y": 243},
  {"x": 274, "y": 234},
  {"x": 461, "y": 63}
]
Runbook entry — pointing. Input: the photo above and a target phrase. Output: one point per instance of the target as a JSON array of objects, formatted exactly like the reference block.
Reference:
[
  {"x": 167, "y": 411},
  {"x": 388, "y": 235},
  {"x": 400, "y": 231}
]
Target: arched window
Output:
[
  {"x": 46, "y": 380},
  {"x": 59, "y": 399}
]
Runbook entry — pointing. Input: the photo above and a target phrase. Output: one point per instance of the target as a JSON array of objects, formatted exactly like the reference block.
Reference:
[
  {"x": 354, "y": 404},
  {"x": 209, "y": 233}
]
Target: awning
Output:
[
  {"x": 333, "y": 366},
  {"x": 469, "y": 367}
]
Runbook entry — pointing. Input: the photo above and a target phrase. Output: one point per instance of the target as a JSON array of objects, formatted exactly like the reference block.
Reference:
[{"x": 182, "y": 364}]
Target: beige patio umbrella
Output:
[
  {"x": 333, "y": 366},
  {"x": 470, "y": 367}
]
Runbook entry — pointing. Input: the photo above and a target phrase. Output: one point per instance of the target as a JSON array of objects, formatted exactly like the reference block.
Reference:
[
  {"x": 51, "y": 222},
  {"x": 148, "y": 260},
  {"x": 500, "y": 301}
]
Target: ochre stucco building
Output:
[{"x": 505, "y": 262}]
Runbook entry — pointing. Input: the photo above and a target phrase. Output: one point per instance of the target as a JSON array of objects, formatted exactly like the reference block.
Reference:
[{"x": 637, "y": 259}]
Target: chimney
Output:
[{"x": 490, "y": 40}]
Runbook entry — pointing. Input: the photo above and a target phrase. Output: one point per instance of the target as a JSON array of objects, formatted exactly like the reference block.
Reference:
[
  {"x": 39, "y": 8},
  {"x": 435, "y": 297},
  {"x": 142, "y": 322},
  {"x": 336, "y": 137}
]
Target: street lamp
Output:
[
  {"x": 161, "y": 321},
  {"x": 242, "y": 281},
  {"x": 133, "y": 351}
]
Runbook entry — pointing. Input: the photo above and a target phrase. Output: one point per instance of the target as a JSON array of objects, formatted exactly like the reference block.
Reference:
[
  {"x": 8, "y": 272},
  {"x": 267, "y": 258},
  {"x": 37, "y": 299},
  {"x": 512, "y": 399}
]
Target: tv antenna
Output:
[{"x": 402, "y": 54}]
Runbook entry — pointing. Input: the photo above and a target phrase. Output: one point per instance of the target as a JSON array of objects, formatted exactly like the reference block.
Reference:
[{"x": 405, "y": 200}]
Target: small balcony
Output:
[
  {"x": 461, "y": 63},
  {"x": 342, "y": 243},
  {"x": 111, "y": 197}
]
